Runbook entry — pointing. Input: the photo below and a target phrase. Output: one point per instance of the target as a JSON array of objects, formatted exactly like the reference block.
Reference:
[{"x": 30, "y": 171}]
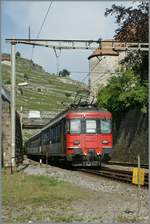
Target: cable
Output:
[
  {"x": 44, "y": 19},
  {"x": 81, "y": 72},
  {"x": 41, "y": 28},
  {"x": 82, "y": 80}
]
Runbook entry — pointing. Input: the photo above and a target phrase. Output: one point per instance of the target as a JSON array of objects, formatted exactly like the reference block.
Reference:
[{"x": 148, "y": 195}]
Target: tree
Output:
[
  {"x": 123, "y": 92},
  {"x": 18, "y": 55},
  {"x": 64, "y": 73},
  {"x": 133, "y": 27},
  {"x": 133, "y": 22}
]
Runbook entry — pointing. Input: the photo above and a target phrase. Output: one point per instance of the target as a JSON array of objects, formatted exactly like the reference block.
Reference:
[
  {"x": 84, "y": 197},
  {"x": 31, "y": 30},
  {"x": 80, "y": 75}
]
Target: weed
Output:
[{"x": 38, "y": 198}]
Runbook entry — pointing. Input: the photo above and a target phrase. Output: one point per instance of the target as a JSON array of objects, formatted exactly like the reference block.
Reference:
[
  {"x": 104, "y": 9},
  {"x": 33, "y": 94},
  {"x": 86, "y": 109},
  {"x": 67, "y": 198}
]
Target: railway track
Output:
[
  {"x": 121, "y": 175},
  {"x": 127, "y": 164}
]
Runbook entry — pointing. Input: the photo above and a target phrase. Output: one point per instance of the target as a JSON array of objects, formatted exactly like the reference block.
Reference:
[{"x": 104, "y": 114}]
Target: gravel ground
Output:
[{"x": 108, "y": 199}]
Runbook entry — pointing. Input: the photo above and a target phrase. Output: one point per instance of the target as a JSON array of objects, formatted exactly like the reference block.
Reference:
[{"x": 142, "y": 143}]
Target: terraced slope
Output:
[{"x": 44, "y": 92}]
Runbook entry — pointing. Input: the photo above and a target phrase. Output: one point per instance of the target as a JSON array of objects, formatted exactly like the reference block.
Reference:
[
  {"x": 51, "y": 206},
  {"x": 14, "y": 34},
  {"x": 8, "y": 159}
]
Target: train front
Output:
[{"x": 88, "y": 137}]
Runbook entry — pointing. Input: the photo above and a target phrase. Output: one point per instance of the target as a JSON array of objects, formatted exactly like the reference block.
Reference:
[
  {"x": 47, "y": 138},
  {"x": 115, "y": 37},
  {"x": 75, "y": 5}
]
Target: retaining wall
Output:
[{"x": 6, "y": 136}]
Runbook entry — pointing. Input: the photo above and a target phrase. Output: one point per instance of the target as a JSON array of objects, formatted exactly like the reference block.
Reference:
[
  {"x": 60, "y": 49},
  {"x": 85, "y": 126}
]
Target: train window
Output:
[
  {"x": 54, "y": 134},
  {"x": 45, "y": 137},
  {"x": 90, "y": 126},
  {"x": 67, "y": 127},
  {"x": 58, "y": 132},
  {"x": 105, "y": 126},
  {"x": 75, "y": 126}
]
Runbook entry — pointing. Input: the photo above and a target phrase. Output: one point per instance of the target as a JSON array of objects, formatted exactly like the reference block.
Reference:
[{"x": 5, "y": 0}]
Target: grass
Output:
[
  {"x": 128, "y": 219},
  {"x": 39, "y": 198}
]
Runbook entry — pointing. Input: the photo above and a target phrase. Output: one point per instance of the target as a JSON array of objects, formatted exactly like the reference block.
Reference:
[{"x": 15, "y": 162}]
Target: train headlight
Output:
[
  {"x": 105, "y": 142},
  {"x": 76, "y": 142}
]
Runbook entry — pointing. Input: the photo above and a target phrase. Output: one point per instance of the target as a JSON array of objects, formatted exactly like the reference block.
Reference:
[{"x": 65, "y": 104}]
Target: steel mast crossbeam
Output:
[
  {"x": 59, "y": 44},
  {"x": 82, "y": 44}
]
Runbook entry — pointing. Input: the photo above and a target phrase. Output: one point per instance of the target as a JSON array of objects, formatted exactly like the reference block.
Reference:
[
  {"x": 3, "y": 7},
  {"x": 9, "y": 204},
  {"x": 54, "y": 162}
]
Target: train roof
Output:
[
  {"x": 84, "y": 107},
  {"x": 75, "y": 108}
]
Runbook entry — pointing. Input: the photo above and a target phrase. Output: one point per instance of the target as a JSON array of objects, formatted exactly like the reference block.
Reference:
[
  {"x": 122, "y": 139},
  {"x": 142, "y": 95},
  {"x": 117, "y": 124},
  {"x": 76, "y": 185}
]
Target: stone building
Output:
[
  {"x": 6, "y": 132},
  {"x": 103, "y": 64},
  {"x": 5, "y": 59}
]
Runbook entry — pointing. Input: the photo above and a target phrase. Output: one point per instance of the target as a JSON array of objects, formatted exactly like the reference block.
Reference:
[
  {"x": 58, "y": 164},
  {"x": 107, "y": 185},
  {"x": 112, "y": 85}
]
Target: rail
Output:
[
  {"x": 130, "y": 164},
  {"x": 121, "y": 175}
]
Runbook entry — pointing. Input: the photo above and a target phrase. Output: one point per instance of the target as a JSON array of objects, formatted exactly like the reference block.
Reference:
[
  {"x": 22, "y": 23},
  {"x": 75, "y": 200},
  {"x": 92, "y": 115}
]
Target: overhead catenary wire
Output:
[
  {"x": 78, "y": 89},
  {"x": 38, "y": 34},
  {"x": 44, "y": 20},
  {"x": 82, "y": 72}
]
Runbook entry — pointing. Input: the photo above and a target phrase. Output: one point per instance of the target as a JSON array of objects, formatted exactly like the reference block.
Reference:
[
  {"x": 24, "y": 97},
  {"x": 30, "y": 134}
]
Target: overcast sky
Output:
[{"x": 66, "y": 20}]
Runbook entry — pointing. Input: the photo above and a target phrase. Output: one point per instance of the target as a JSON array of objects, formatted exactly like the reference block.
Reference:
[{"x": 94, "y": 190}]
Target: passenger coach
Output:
[{"x": 80, "y": 136}]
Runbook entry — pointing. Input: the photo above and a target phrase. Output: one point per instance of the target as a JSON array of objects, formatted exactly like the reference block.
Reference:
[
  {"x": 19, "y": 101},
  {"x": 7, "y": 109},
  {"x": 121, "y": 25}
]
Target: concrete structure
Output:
[
  {"x": 6, "y": 132},
  {"x": 103, "y": 64},
  {"x": 32, "y": 122}
]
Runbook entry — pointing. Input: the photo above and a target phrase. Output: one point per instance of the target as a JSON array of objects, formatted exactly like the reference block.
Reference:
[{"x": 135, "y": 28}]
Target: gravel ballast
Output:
[{"x": 110, "y": 200}]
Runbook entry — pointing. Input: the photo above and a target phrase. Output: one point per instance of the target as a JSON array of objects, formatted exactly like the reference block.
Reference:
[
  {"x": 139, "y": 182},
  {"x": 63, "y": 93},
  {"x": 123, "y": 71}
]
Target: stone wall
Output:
[
  {"x": 6, "y": 136},
  {"x": 131, "y": 138}
]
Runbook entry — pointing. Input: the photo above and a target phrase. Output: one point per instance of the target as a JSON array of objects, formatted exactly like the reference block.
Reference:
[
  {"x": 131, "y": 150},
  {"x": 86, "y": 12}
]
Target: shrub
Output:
[{"x": 124, "y": 92}]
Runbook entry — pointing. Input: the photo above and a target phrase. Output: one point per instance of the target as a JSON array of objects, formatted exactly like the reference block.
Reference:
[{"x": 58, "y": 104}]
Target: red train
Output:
[{"x": 80, "y": 136}]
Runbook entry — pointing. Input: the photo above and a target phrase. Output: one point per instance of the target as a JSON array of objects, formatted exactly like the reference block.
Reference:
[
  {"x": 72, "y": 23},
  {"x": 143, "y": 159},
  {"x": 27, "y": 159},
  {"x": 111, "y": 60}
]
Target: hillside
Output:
[
  {"x": 44, "y": 91},
  {"x": 47, "y": 93}
]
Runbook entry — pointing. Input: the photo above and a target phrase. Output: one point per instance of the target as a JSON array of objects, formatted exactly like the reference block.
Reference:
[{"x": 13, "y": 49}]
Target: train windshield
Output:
[
  {"x": 75, "y": 126},
  {"x": 90, "y": 126},
  {"x": 105, "y": 126}
]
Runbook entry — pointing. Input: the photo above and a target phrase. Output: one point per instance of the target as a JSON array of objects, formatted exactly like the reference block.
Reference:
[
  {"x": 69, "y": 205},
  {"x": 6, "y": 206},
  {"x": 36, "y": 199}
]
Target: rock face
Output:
[{"x": 131, "y": 138}]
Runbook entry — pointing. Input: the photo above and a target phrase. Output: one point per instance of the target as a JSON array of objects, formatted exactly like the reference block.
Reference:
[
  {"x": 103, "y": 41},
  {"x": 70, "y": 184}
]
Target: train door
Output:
[{"x": 91, "y": 135}]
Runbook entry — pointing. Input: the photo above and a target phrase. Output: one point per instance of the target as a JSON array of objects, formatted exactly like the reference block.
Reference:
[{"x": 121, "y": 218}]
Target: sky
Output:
[{"x": 66, "y": 20}]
